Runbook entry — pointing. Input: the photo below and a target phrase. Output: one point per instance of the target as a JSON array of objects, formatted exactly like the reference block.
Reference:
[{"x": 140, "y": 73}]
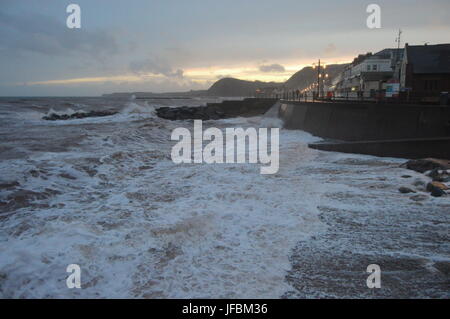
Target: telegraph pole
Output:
[{"x": 398, "y": 43}]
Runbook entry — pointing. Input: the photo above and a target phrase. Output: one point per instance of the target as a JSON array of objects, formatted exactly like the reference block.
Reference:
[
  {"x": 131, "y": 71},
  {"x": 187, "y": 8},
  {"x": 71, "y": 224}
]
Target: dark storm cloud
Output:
[
  {"x": 47, "y": 35},
  {"x": 203, "y": 38}
]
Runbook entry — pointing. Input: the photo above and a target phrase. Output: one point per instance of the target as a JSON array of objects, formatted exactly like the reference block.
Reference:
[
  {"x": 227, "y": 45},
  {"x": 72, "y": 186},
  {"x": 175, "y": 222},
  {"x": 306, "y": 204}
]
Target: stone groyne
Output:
[{"x": 214, "y": 111}]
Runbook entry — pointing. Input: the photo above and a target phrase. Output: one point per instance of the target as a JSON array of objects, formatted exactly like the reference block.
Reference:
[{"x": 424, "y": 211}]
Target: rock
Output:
[
  {"x": 78, "y": 115},
  {"x": 419, "y": 182},
  {"x": 440, "y": 185},
  {"x": 419, "y": 198},
  {"x": 216, "y": 111},
  {"x": 67, "y": 176},
  {"x": 427, "y": 164},
  {"x": 182, "y": 113},
  {"x": 405, "y": 190},
  {"x": 435, "y": 190},
  {"x": 170, "y": 115},
  {"x": 434, "y": 174},
  {"x": 439, "y": 175}
]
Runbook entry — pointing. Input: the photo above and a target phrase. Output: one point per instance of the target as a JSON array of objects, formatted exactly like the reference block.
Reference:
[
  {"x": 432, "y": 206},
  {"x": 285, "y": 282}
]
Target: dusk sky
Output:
[{"x": 160, "y": 46}]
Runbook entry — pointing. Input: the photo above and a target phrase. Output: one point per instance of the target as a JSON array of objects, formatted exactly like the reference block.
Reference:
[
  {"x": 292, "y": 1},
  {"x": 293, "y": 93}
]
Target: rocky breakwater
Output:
[
  {"x": 77, "y": 115},
  {"x": 438, "y": 172},
  {"x": 215, "y": 111}
]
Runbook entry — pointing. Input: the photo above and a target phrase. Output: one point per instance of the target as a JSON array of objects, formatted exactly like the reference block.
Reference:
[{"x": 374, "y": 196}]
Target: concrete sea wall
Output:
[
  {"x": 357, "y": 122},
  {"x": 405, "y": 148},
  {"x": 409, "y": 131}
]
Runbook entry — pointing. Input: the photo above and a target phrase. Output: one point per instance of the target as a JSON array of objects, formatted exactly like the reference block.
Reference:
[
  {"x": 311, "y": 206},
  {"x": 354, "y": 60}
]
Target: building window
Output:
[
  {"x": 368, "y": 67},
  {"x": 375, "y": 67},
  {"x": 431, "y": 85}
]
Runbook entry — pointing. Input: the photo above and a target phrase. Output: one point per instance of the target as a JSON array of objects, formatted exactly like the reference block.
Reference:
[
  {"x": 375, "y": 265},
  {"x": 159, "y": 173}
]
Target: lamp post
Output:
[
  {"x": 321, "y": 76},
  {"x": 318, "y": 79}
]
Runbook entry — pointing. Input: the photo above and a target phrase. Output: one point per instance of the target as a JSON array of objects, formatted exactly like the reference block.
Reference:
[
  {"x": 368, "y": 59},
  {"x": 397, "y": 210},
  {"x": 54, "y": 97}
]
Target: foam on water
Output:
[
  {"x": 132, "y": 108},
  {"x": 68, "y": 111},
  {"x": 141, "y": 226}
]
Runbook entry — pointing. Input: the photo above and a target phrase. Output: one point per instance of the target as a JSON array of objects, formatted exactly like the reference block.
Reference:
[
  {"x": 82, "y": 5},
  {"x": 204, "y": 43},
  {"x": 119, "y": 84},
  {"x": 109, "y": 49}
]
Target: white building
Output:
[{"x": 367, "y": 74}]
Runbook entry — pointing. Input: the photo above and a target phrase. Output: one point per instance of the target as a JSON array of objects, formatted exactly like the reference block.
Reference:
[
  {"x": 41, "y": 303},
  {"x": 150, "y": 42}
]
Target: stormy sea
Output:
[{"x": 103, "y": 193}]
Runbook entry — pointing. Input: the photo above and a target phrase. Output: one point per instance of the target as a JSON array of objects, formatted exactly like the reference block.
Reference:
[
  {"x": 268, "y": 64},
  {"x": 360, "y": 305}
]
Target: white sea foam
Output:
[
  {"x": 133, "y": 108},
  {"x": 145, "y": 227},
  {"x": 141, "y": 226}
]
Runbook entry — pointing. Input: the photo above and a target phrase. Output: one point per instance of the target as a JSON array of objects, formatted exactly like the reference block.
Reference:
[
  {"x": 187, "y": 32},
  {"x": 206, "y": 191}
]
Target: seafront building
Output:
[
  {"x": 368, "y": 74},
  {"x": 417, "y": 73},
  {"x": 425, "y": 73},
  {"x": 414, "y": 74}
]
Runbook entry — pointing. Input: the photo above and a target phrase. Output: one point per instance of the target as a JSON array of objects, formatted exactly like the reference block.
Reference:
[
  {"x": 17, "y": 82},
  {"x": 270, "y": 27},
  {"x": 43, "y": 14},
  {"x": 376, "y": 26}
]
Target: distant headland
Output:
[{"x": 231, "y": 87}]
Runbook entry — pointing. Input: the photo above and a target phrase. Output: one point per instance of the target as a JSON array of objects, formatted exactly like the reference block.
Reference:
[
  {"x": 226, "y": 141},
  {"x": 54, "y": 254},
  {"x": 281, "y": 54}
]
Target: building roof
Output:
[
  {"x": 360, "y": 58},
  {"x": 390, "y": 54},
  {"x": 429, "y": 58}
]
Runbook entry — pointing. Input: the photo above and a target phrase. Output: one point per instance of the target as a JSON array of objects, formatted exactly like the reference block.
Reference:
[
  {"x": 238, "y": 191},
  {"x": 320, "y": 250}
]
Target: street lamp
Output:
[{"x": 321, "y": 75}]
